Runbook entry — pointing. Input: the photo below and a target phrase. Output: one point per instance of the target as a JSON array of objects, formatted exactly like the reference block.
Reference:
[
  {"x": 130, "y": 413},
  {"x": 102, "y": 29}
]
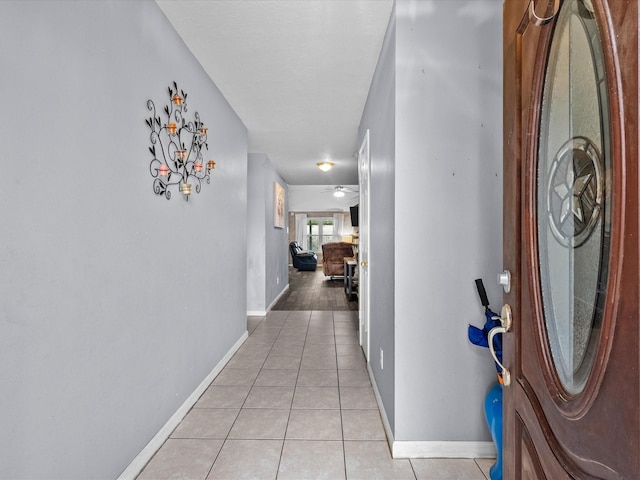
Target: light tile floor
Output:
[{"x": 295, "y": 402}]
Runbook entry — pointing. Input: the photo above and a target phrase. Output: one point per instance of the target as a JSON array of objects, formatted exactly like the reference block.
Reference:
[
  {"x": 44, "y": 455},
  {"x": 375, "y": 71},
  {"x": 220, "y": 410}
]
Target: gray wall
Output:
[
  {"x": 435, "y": 115},
  {"x": 256, "y": 238},
  {"x": 267, "y": 246},
  {"x": 379, "y": 117},
  {"x": 448, "y": 212},
  {"x": 116, "y": 303}
]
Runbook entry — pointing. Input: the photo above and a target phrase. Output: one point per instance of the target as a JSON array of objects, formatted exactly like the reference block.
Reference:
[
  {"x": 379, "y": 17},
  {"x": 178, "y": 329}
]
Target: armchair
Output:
[
  {"x": 333, "y": 254},
  {"x": 306, "y": 261}
]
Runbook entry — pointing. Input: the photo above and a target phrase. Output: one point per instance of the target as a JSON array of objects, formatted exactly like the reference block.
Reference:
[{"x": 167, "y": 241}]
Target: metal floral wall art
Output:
[{"x": 177, "y": 146}]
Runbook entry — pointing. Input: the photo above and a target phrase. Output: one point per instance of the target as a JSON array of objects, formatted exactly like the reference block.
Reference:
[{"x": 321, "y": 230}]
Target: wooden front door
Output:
[{"x": 571, "y": 239}]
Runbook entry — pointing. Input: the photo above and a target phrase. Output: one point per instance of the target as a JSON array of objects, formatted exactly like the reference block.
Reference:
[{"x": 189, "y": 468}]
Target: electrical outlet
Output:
[{"x": 381, "y": 359}]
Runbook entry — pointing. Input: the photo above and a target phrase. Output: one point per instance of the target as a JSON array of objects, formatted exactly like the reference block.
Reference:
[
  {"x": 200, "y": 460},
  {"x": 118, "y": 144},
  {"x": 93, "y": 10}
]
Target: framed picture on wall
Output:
[{"x": 278, "y": 205}]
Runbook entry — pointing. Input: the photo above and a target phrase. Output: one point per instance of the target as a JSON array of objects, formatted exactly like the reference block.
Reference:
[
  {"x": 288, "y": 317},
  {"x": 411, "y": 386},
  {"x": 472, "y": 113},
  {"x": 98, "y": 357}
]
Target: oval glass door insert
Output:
[{"x": 573, "y": 207}]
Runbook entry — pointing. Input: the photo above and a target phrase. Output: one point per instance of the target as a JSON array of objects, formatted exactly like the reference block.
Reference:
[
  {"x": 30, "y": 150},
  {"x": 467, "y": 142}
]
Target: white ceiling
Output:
[
  {"x": 297, "y": 72},
  {"x": 320, "y": 198}
]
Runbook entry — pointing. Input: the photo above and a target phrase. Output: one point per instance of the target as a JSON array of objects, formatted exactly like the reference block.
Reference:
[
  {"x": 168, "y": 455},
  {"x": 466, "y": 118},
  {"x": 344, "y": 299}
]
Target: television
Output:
[{"x": 354, "y": 215}]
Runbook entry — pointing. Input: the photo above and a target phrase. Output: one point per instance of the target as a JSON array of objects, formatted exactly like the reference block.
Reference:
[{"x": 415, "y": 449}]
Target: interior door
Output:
[
  {"x": 571, "y": 239},
  {"x": 363, "y": 247}
]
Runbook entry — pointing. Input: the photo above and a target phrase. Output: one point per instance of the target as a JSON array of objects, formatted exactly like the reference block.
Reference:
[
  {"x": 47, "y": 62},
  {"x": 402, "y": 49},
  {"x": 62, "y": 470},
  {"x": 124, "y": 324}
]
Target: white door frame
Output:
[{"x": 364, "y": 170}]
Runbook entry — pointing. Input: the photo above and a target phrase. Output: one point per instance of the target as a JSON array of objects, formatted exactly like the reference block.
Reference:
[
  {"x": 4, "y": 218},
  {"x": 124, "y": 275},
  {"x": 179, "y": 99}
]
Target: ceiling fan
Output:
[{"x": 340, "y": 191}]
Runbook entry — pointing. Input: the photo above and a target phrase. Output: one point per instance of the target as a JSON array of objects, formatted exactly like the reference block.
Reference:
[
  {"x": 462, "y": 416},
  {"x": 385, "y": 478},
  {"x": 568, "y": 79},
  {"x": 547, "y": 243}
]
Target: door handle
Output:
[
  {"x": 506, "y": 321},
  {"x": 364, "y": 263}
]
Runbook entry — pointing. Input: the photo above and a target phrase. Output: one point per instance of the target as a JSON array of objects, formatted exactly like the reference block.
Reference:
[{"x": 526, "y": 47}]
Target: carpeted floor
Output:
[{"x": 314, "y": 291}]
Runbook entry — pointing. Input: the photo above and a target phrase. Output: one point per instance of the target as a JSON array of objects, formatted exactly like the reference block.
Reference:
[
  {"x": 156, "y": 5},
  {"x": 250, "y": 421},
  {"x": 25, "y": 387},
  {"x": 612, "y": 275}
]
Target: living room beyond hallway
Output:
[{"x": 314, "y": 291}]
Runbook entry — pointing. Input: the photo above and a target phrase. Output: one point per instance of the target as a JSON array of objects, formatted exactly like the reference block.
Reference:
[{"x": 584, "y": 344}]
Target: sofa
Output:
[
  {"x": 333, "y": 254},
  {"x": 305, "y": 261}
]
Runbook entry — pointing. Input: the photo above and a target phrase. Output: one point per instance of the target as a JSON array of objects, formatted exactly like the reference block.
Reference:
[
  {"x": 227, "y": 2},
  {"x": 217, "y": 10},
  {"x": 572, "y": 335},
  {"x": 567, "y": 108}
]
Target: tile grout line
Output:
[
  {"x": 248, "y": 393},
  {"x": 344, "y": 453},
  {"x": 284, "y": 438},
  {"x": 239, "y": 410}
]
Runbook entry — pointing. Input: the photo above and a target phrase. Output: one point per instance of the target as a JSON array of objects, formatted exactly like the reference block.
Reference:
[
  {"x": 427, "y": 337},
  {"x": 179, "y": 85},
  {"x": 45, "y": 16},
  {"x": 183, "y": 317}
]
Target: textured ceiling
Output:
[{"x": 297, "y": 72}]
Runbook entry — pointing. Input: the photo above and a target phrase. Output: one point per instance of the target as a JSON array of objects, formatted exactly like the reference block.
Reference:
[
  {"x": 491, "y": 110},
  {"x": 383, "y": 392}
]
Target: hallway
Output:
[{"x": 295, "y": 402}]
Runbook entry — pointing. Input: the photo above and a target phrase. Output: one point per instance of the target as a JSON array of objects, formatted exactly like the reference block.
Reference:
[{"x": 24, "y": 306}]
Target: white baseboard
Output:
[
  {"x": 403, "y": 449},
  {"x": 383, "y": 413},
  {"x": 263, "y": 313},
  {"x": 425, "y": 449},
  {"x": 278, "y": 297},
  {"x": 141, "y": 460}
]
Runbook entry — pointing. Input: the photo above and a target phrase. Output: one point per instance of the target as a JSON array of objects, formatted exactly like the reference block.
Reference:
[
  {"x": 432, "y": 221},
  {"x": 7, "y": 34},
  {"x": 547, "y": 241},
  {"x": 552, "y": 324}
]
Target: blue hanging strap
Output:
[{"x": 479, "y": 336}]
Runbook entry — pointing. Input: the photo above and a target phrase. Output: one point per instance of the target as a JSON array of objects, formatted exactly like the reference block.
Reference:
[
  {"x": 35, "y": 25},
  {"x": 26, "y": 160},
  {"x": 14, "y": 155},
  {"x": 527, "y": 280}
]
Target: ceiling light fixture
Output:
[
  {"x": 325, "y": 166},
  {"x": 339, "y": 193}
]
